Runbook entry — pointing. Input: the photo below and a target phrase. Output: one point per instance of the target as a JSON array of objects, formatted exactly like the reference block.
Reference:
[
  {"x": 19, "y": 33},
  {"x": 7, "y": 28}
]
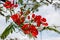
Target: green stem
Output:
[{"x": 10, "y": 11}]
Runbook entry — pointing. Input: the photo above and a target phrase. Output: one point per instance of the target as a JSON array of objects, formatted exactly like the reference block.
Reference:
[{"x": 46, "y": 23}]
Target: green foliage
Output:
[
  {"x": 35, "y": 4},
  {"x": 49, "y": 28},
  {"x": 7, "y": 31},
  {"x": 1, "y": 10},
  {"x": 45, "y": 3},
  {"x": 7, "y": 17},
  {"x": 20, "y": 1},
  {"x": 1, "y": 14},
  {"x": 35, "y": 7},
  {"x": 34, "y": 0}
]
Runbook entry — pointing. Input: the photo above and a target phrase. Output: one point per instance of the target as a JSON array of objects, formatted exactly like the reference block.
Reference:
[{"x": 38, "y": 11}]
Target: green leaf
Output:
[
  {"x": 30, "y": 35},
  {"x": 1, "y": 14},
  {"x": 45, "y": 3},
  {"x": 41, "y": 1},
  {"x": 34, "y": 0},
  {"x": 52, "y": 29},
  {"x": 20, "y": 1},
  {"x": 7, "y": 31},
  {"x": 7, "y": 17},
  {"x": 49, "y": 1},
  {"x": 1, "y": 10},
  {"x": 35, "y": 7}
]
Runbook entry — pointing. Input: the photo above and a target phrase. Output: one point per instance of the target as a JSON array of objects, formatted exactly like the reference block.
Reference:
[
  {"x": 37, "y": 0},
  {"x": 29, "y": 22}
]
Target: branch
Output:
[
  {"x": 49, "y": 28},
  {"x": 7, "y": 31}
]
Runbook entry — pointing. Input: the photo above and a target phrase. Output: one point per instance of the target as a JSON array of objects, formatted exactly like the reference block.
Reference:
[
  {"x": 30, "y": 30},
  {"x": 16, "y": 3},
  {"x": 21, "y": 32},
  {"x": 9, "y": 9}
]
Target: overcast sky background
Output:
[{"x": 53, "y": 18}]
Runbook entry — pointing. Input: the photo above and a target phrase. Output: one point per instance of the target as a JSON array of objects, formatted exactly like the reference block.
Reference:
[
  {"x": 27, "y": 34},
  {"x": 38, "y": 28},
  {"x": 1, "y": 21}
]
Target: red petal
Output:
[
  {"x": 45, "y": 24},
  {"x": 38, "y": 23},
  {"x": 28, "y": 17},
  {"x": 35, "y": 33},
  {"x": 15, "y": 5},
  {"x": 15, "y": 17},
  {"x": 43, "y": 19},
  {"x": 7, "y": 2},
  {"x": 33, "y": 15},
  {"x": 21, "y": 12},
  {"x": 37, "y": 18},
  {"x": 32, "y": 27},
  {"x": 7, "y": 6},
  {"x": 26, "y": 32},
  {"x": 18, "y": 21},
  {"x": 22, "y": 19},
  {"x": 33, "y": 30},
  {"x": 11, "y": 5},
  {"x": 25, "y": 26}
]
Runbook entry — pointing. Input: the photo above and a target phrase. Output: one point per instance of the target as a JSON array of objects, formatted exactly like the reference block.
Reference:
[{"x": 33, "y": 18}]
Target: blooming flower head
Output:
[
  {"x": 16, "y": 19},
  {"x": 33, "y": 15},
  {"x": 33, "y": 30},
  {"x": 39, "y": 20},
  {"x": 30, "y": 26},
  {"x": 30, "y": 29},
  {"x": 45, "y": 24},
  {"x": 8, "y": 4},
  {"x": 28, "y": 17},
  {"x": 43, "y": 19},
  {"x": 25, "y": 28}
]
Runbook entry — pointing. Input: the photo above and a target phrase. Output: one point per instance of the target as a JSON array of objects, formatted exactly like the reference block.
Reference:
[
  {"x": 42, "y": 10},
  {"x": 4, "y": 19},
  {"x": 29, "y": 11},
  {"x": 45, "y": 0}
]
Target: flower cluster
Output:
[
  {"x": 39, "y": 20},
  {"x": 8, "y": 4},
  {"x": 19, "y": 19},
  {"x": 29, "y": 28}
]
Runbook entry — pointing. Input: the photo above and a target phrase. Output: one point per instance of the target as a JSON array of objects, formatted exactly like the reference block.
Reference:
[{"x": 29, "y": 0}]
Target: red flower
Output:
[
  {"x": 25, "y": 28},
  {"x": 43, "y": 19},
  {"x": 34, "y": 33},
  {"x": 37, "y": 19},
  {"x": 30, "y": 29},
  {"x": 33, "y": 30},
  {"x": 22, "y": 19},
  {"x": 16, "y": 18},
  {"x": 18, "y": 22},
  {"x": 16, "y": 5},
  {"x": 33, "y": 15},
  {"x": 45, "y": 24},
  {"x": 8, "y": 4},
  {"x": 28, "y": 17},
  {"x": 38, "y": 23},
  {"x": 21, "y": 13}
]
